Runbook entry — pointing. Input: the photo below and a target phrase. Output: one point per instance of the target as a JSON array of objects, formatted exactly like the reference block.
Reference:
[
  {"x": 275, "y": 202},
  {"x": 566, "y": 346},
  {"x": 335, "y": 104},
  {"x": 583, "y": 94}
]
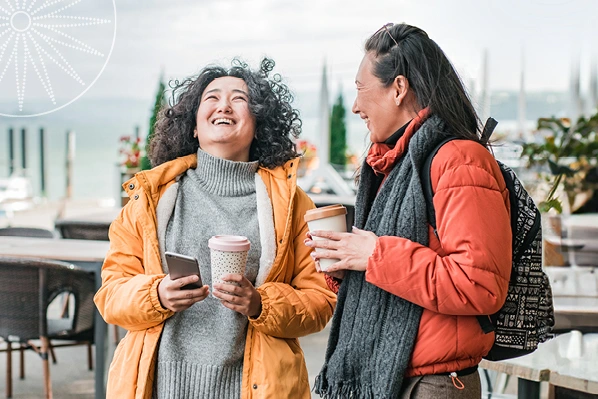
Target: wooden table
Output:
[
  {"x": 579, "y": 251},
  {"x": 576, "y": 313},
  {"x": 88, "y": 255},
  {"x": 570, "y": 360},
  {"x": 104, "y": 216}
]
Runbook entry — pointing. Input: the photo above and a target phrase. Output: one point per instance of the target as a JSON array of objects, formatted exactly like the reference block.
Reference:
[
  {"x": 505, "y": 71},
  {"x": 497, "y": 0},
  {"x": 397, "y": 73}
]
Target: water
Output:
[{"x": 99, "y": 123}]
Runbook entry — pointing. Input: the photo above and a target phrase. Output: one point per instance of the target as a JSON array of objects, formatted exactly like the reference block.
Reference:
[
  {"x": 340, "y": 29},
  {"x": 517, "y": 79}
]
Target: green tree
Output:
[
  {"x": 159, "y": 102},
  {"x": 338, "y": 133}
]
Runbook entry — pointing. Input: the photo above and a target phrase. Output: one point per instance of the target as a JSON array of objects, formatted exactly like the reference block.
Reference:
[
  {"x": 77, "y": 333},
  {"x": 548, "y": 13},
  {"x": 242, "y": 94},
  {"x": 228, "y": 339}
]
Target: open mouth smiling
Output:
[{"x": 223, "y": 121}]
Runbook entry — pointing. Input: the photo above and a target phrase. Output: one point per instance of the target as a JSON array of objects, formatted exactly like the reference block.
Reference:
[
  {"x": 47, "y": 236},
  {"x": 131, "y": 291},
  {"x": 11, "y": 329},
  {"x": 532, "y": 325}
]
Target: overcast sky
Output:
[
  {"x": 179, "y": 37},
  {"x": 182, "y": 36}
]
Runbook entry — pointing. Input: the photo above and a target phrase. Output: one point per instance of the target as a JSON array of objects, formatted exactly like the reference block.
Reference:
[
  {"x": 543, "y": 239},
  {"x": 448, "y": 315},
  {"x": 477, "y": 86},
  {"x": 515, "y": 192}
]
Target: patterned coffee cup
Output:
[{"x": 228, "y": 255}]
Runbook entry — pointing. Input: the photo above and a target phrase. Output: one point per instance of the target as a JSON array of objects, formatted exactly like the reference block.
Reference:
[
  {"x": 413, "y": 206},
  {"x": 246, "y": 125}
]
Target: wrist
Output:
[
  {"x": 258, "y": 313},
  {"x": 258, "y": 308},
  {"x": 158, "y": 297}
]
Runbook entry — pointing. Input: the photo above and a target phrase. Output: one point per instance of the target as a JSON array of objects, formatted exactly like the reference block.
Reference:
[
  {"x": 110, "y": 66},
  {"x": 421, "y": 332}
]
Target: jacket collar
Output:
[{"x": 155, "y": 180}]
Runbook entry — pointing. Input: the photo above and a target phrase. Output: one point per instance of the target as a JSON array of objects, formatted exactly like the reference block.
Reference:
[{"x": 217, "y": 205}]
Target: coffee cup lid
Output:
[
  {"x": 229, "y": 243},
  {"x": 325, "y": 212}
]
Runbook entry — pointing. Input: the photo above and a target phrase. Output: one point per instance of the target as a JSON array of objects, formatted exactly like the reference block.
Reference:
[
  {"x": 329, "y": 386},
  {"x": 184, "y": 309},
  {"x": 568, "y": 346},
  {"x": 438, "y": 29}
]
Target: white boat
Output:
[{"x": 16, "y": 193}]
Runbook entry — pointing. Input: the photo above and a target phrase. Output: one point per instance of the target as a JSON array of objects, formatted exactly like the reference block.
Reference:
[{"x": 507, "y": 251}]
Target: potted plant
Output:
[
  {"x": 308, "y": 153},
  {"x": 569, "y": 154},
  {"x": 130, "y": 151}
]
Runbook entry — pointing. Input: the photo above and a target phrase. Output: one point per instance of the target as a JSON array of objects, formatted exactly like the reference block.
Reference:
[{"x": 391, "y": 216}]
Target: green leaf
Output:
[{"x": 554, "y": 203}]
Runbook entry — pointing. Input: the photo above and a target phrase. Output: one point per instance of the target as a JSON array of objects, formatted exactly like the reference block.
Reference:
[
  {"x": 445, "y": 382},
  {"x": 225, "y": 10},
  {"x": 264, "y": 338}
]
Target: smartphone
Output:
[{"x": 183, "y": 266}]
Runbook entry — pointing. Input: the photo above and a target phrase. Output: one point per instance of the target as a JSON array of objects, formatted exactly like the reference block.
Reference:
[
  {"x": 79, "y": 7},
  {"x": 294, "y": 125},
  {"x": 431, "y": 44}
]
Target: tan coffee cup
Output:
[
  {"x": 228, "y": 254},
  {"x": 328, "y": 218}
]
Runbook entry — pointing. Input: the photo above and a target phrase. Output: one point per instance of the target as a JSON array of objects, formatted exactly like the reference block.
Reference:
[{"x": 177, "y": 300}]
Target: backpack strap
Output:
[
  {"x": 489, "y": 127},
  {"x": 426, "y": 178}
]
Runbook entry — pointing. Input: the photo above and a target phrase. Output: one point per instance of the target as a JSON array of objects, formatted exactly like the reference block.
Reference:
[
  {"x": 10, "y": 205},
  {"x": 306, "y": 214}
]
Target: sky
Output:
[
  {"x": 135, "y": 42},
  {"x": 130, "y": 43},
  {"x": 179, "y": 37}
]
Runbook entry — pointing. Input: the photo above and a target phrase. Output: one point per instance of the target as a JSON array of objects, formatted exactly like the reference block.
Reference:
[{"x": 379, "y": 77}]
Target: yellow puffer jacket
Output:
[{"x": 295, "y": 299}]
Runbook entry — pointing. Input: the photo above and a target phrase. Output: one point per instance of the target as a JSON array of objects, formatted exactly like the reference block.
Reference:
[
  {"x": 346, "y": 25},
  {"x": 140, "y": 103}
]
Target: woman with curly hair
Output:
[{"x": 224, "y": 163}]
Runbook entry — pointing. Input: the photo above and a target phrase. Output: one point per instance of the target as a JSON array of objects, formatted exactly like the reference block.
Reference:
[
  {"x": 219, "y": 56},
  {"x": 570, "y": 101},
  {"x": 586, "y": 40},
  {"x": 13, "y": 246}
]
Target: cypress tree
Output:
[
  {"x": 159, "y": 102},
  {"x": 338, "y": 133}
]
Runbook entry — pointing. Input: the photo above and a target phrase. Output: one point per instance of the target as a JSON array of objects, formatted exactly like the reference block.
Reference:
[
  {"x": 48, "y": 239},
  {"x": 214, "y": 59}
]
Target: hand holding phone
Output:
[
  {"x": 183, "y": 266},
  {"x": 170, "y": 293}
]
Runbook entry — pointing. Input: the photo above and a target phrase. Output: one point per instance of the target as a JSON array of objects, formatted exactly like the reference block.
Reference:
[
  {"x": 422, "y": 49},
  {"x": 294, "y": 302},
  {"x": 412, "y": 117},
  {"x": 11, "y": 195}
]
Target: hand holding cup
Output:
[
  {"x": 238, "y": 294},
  {"x": 228, "y": 258},
  {"x": 352, "y": 250},
  {"x": 326, "y": 218}
]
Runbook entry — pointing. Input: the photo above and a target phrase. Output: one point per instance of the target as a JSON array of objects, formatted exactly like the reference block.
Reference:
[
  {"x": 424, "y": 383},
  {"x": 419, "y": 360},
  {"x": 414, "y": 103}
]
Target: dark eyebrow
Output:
[
  {"x": 211, "y": 91},
  {"x": 234, "y": 90}
]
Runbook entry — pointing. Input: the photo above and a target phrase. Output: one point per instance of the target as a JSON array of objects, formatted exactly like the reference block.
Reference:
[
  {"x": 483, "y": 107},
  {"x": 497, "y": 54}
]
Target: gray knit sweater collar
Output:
[
  {"x": 223, "y": 177},
  {"x": 373, "y": 331}
]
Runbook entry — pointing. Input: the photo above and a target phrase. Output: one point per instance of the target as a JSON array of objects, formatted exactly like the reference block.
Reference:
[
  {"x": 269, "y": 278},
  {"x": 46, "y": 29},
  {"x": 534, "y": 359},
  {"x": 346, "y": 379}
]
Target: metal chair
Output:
[
  {"x": 78, "y": 230},
  {"x": 27, "y": 287},
  {"x": 32, "y": 232},
  {"x": 82, "y": 230}
]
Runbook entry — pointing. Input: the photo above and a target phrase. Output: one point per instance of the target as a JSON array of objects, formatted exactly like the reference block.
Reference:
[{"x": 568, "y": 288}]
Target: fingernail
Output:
[{"x": 354, "y": 228}]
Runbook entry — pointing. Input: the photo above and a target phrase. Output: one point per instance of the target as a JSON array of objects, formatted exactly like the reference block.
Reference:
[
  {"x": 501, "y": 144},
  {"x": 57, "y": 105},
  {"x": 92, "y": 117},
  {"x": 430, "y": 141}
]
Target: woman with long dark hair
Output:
[
  {"x": 408, "y": 295},
  {"x": 224, "y": 164}
]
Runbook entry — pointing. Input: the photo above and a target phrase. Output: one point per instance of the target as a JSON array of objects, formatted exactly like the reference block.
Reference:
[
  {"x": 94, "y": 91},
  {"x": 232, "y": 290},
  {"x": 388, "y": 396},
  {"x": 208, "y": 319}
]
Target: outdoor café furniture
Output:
[
  {"x": 567, "y": 362},
  {"x": 576, "y": 313},
  {"x": 81, "y": 230},
  {"x": 92, "y": 226},
  {"x": 89, "y": 256},
  {"x": 575, "y": 295},
  {"x": 89, "y": 226},
  {"x": 576, "y": 237},
  {"x": 27, "y": 287},
  {"x": 26, "y": 232}
]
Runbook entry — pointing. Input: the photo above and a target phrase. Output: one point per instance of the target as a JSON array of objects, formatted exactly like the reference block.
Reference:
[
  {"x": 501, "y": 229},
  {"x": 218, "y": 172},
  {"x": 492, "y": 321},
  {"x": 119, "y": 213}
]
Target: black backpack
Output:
[{"x": 527, "y": 316}]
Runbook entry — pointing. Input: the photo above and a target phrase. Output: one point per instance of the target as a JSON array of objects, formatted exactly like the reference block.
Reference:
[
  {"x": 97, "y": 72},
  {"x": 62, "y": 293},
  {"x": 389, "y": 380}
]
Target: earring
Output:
[{"x": 398, "y": 103}]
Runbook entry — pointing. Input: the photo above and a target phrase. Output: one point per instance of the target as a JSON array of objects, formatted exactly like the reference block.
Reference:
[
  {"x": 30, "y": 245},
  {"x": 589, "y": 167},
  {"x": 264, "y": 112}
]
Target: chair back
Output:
[
  {"x": 83, "y": 230},
  {"x": 26, "y": 232},
  {"x": 28, "y": 286}
]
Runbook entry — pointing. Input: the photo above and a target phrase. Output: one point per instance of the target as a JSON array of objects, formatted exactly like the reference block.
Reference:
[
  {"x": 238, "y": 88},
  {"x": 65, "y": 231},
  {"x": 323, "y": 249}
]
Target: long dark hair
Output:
[
  {"x": 276, "y": 121},
  {"x": 432, "y": 77}
]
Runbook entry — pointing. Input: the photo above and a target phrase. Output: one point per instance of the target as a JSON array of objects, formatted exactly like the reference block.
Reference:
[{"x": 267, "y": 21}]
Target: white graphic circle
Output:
[
  {"x": 20, "y": 21},
  {"x": 52, "y": 52}
]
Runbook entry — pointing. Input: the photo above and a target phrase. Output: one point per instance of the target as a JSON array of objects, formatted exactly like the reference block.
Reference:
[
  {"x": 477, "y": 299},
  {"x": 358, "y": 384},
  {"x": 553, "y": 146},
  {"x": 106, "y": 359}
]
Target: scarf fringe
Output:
[{"x": 341, "y": 390}]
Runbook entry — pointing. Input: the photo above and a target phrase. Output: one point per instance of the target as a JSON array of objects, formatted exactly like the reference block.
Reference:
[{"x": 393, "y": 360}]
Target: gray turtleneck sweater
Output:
[{"x": 201, "y": 350}]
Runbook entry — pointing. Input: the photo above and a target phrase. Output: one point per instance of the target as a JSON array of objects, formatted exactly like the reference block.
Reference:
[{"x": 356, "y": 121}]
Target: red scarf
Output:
[{"x": 383, "y": 157}]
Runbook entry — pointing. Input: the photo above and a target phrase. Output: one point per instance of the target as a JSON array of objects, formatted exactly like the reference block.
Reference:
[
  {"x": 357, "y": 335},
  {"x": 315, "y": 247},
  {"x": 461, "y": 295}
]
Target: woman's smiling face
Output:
[
  {"x": 225, "y": 124},
  {"x": 375, "y": 103}
]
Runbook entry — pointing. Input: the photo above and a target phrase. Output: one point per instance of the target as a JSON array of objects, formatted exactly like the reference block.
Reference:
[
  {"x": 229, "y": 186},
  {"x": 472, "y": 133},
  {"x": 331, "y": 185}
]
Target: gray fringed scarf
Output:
[{"x": 373, "y": 331}]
